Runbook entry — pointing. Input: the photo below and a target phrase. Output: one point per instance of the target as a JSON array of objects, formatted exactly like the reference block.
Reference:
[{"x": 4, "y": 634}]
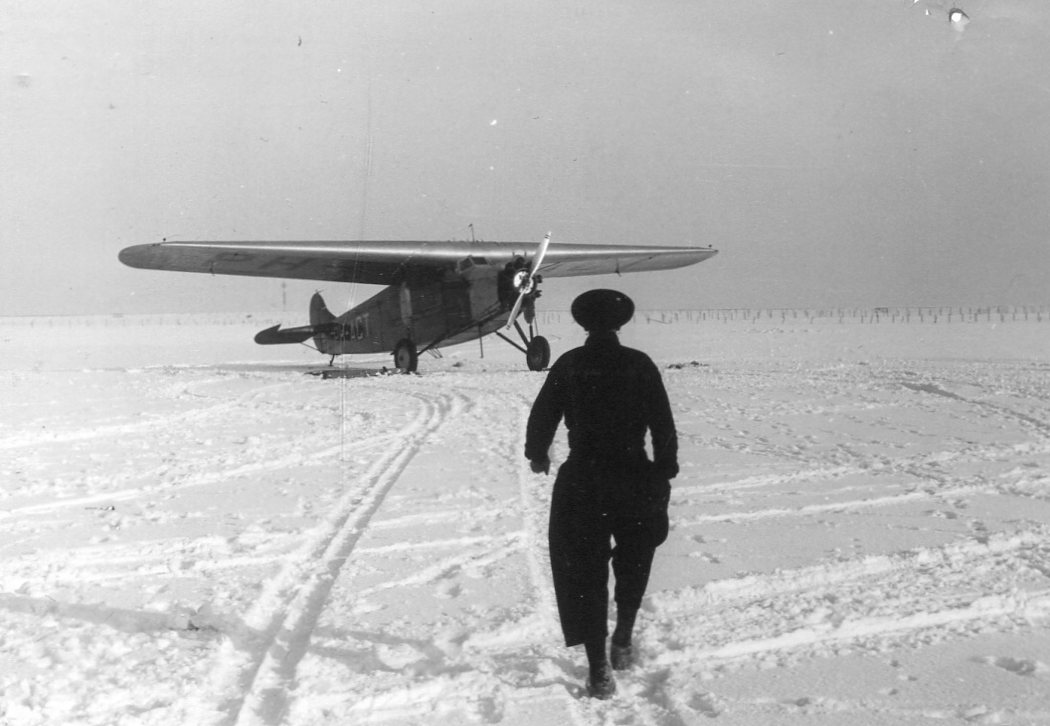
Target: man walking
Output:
[{"x": 607, "y": 490}]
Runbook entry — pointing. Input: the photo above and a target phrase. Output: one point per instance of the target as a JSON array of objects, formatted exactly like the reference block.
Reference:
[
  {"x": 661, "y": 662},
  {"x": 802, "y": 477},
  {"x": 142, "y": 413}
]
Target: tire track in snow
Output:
[
  {"x": 290, "y": 606},
  {"x": 919, "y": 595},
  {"x": 153, "y": 422},
  {"x": 813, "y": 509},
  {"x": 487, "y": 669},
  {"x": 495, "y": 549},
  {"x": 535, "y": 501},
  {"x": 985, "y": 584},
  {"x": 254, "y": 468},
  {"x": 1024, "y": 546},
  {"x": 203, "y": 473},
  {"x": 1041, "y": 427},
  {"x": 491, "y": 664}
]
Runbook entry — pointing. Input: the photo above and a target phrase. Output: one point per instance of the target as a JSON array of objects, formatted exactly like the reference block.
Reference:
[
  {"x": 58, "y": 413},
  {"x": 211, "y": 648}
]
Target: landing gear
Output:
[
  {"x": 524, "y": 279},
  {"x": 535, "y": 347},
  {"x": 538, "y": 353},
  {"x": 406, "y": 359}
]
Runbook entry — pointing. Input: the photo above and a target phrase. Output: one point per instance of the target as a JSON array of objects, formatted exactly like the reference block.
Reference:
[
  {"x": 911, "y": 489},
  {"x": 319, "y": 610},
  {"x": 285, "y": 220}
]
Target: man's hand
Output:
[{"x": 540, "y": 466}]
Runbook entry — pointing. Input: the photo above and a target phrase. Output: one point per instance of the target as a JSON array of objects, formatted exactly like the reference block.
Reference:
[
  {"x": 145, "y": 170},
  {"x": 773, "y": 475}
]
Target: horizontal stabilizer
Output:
[{"x": 276, "y": 336}]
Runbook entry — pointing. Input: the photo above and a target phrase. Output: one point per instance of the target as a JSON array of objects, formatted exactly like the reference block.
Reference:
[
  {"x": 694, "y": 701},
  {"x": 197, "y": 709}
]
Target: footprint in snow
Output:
[
  {"x": 448, "y": 590},
  {"x": 706, "y": 704},
  {"x": 1017, "y": 666}
]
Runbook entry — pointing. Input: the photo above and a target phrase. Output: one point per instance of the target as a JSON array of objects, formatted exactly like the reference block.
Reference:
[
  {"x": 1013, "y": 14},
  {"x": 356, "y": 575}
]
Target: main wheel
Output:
[
  {"x": 538, "y": 354},
  {"x": 406, "y": 359}
]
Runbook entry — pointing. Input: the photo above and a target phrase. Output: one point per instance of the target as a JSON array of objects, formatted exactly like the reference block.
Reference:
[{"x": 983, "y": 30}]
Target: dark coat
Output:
[{"x": 609, "y": 396}]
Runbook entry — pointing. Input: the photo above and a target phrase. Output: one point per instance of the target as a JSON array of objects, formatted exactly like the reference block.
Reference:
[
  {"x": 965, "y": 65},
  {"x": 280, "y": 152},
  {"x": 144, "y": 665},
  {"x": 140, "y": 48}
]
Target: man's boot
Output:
[
  {"x": 600, "y": 682},
  {"x": 621, "y": 656}
]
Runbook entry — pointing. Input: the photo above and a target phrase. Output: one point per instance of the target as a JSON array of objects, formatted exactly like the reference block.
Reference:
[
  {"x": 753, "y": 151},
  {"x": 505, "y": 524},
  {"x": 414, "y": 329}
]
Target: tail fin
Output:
[{"x": 319, "y": 313}]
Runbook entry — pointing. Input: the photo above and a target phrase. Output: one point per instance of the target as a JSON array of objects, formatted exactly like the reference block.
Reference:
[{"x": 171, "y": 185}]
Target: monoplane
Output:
[{"x": 437, "y": 294}]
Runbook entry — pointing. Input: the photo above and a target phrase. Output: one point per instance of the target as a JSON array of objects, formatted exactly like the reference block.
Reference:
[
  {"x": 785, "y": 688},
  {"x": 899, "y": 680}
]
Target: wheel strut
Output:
[
  {"x": 536, "y": 348},
  {"x": 524, "y": 339}
]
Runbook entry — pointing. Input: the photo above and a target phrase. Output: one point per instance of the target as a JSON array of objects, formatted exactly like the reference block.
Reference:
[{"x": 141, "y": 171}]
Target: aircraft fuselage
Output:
[{"x": 433, "y": 310}]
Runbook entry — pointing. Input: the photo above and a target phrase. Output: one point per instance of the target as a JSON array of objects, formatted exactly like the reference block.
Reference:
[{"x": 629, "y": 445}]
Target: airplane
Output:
[{"x": 437, "y": 294}]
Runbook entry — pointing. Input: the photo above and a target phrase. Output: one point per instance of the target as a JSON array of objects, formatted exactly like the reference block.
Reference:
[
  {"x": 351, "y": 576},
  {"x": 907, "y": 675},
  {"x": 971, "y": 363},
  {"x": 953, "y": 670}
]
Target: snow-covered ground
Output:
[{"x": 195, "y": 531}]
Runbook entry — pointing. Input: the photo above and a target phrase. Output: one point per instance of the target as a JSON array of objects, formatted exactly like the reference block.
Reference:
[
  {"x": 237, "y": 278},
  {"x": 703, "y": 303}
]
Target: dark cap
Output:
[{"x": 602, "y": 310}]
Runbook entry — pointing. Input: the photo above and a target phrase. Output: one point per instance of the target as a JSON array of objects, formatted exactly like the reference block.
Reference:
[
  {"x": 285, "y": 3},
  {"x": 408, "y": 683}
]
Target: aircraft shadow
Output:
[{"x": 323, "y": 372}]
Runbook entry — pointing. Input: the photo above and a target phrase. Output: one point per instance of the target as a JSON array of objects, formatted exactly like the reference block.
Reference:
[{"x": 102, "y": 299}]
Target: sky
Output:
[{"x": 836, "y": 152}]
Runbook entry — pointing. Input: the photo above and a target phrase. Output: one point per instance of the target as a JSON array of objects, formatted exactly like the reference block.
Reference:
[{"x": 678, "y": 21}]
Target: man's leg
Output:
[
  {"x": 632, "y": 560},
  {"x": 580, "y": 551}
]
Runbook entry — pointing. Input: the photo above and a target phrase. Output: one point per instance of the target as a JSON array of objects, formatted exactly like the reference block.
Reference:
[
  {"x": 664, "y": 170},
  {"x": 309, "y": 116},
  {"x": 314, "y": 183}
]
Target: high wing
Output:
[
  {"x": 388, "y": 262},
  {"x": 570, "y": 260}
]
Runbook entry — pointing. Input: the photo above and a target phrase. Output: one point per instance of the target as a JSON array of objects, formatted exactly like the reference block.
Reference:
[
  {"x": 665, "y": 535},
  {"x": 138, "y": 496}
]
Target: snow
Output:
[{"x": 194, "y": 530}]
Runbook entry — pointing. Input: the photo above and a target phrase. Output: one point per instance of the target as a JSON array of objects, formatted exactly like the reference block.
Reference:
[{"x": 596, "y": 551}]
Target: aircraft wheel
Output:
[
  {"x": 538, "y": 355},
  {"x": 406, "y": 359}
]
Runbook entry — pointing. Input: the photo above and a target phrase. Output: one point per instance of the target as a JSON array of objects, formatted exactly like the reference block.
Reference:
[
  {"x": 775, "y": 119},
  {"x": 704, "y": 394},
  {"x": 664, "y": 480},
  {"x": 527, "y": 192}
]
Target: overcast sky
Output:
[{"x": 837, "y": 152}]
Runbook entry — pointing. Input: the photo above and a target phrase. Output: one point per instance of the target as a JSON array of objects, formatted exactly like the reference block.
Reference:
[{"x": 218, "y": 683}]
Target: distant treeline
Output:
[{"x": 888, "y": 315}]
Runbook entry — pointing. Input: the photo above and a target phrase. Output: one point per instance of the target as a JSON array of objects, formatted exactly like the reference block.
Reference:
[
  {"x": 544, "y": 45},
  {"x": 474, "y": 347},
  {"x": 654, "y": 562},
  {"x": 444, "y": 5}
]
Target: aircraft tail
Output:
[
  {"x": 319, "y": 313},
  {"x": 322, "y": 322}
]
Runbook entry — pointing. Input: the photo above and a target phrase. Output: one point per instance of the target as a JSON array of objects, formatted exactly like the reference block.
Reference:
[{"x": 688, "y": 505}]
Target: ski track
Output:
[
  {"x": 968, "y": 585},
  {"x": 218, "y": 474},
  {"x": 152, "y": 422},
  {"x": 911, "y": 599},
  {"x": 867, "y": 603},
  {"x": 559, "y": 685},
  {"x": 477, "y": 668},
  {"x": 287, "y": 610},
  {"x": 417, "y": 702},
  {"x": 989, "y": 578},
  {"x": 279, "y": 455}
]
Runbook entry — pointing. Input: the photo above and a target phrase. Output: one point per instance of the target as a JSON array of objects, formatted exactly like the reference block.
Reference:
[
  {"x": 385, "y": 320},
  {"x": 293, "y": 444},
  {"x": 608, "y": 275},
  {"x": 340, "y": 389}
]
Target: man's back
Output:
[{"x": 609, "y": 396}]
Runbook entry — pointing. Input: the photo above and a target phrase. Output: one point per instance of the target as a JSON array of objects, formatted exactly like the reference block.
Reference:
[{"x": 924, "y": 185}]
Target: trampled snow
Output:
[{"x": 196, "y": 531}]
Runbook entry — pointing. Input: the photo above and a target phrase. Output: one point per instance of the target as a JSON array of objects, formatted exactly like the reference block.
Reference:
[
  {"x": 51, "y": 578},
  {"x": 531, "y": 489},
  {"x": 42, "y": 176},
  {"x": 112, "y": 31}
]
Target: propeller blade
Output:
[
  {"x": 540, "y": 254},
  {"x": 514, "y": 311},
  {"x": 527, "y": 285}
]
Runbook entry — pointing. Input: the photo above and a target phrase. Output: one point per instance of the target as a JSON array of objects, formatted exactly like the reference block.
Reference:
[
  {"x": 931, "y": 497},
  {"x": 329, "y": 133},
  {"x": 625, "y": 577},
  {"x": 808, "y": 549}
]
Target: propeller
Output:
[{"x": 525, "y": 282}]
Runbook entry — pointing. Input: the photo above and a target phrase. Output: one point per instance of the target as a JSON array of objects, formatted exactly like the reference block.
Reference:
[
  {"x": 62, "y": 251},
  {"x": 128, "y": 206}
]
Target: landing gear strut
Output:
[
  {"x": 535, "y": 347},
  {"x": 406, "y": 358}
]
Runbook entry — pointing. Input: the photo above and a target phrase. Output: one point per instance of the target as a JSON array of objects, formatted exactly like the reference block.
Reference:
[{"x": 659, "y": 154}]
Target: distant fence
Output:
[
  {"x": 992, "y": 314},
  {"x": 880, "y": 315},
  {"x": 136, "y": 320}
]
